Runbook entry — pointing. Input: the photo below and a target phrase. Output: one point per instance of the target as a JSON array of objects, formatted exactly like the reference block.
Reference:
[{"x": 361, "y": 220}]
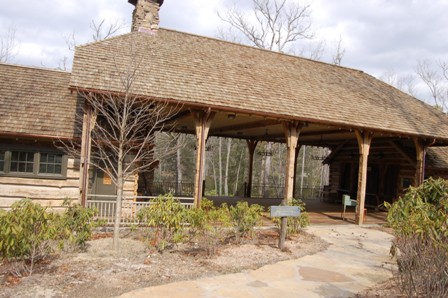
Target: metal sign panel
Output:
[{"x": 285, "y": 211}]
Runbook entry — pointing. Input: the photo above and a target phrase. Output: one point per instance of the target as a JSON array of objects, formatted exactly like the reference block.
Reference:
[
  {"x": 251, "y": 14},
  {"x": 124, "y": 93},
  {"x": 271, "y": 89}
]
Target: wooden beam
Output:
[
  {"x": 419, "y": 156},
  {"x": 292, "y": 131},
  {"x": 88, "y": 124},
  {"x": 203, "y": 121},
  {"x": 334, "y": 152},
  {"x": 364, "y": 141},
  {"x": 247, "y": 125},
  {"x": 403, "y": 153},
  {"x": 251, "y": 145},
  {"x": 420, "y": 149}
]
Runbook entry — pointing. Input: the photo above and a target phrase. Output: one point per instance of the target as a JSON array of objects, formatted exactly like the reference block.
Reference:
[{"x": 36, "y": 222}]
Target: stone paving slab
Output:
[{"x": 358, "y": 258}]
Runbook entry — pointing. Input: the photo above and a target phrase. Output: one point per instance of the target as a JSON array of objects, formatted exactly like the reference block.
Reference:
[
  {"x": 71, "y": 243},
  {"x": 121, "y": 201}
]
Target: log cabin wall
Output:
[
  {"x": 391, "y": 170},
  {"x": 20, "y": 181}
]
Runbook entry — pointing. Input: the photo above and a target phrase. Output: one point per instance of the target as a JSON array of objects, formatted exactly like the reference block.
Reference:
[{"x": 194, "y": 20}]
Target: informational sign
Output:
[
  {"x": 285, "y": 211},
  {"x": 107, "y": 180}
]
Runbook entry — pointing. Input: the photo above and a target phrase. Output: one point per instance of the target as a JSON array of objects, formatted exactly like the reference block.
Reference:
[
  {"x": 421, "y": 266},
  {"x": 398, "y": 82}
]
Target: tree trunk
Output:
[
  {"x": 303, "y": 171},
  {"x": 179, "y": 166},
  {"x": 235, "y": 189},
  {"x": 226, "y": 177},
  {"x": 215, "y": 178},
  {"x": 120, "y": 185},
  {"x": 220, "y": 166}
]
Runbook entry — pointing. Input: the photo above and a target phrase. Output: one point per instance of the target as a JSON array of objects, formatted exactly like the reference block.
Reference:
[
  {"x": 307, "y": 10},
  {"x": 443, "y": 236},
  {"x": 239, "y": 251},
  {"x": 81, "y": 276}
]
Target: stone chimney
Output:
[{"x": 146, "y": 15}]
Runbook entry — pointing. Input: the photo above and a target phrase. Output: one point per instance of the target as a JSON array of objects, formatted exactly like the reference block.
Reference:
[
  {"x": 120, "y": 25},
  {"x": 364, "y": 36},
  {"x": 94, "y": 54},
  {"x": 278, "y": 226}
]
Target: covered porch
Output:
[{"x": 234, "y": 91}]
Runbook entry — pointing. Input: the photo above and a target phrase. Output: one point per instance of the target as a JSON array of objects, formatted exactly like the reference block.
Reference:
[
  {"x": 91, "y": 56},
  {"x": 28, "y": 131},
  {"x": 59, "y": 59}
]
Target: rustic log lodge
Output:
[{"x": 381, "y": 139}]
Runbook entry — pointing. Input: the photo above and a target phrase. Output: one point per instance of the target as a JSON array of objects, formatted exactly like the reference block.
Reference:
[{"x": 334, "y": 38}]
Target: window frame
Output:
[{"x": 6, "y": 171}]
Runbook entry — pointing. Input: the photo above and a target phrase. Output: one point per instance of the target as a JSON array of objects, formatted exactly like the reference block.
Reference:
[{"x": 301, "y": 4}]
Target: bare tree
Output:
[
  {"x": 406, "y": 83},
  {"x": 9, "y": 47},
  {"x": 434, "y": 81},
  {"x": 100, "y": 31},
  {"x": 339, "y": 53},
  {"x": 124, "y": 131},
  {"x": 273, "y": 24}
]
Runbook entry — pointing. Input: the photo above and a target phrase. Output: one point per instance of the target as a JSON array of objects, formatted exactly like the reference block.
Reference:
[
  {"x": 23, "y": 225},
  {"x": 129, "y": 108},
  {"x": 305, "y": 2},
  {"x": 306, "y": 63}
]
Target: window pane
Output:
[
  {"x": 22, "y": 162},
  {"x": 50, "y": 163}
]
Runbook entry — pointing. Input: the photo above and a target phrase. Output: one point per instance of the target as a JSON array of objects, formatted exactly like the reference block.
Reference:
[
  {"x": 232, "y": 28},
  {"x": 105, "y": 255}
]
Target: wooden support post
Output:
[
  {"x": 292, "y": 132},
  {"x": 364, "y": 141},
  {"x": 251, "y": 145},
  {"x": 86, "y": 143},
  {"x": 203, "y": 120},
  {"x": 420, "y": 150}
]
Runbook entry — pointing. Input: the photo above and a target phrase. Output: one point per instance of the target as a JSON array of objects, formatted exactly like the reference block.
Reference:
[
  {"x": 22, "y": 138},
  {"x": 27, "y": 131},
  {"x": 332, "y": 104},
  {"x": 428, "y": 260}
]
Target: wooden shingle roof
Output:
[
  {"x": 203, "y": 71},
  {"x": 36, "y": 102},
  {"x": 437, "y": 158}
]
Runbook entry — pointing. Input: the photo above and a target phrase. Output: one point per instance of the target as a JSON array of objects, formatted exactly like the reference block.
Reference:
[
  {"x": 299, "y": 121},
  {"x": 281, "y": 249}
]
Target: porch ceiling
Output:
[{"x": 245, "y": 126}]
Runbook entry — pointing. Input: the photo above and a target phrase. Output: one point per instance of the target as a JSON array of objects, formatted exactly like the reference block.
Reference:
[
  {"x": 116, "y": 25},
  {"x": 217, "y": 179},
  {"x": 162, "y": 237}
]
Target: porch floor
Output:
[
  {"x": 320, "y": 212},
  {"x": 329, "y": 213}
]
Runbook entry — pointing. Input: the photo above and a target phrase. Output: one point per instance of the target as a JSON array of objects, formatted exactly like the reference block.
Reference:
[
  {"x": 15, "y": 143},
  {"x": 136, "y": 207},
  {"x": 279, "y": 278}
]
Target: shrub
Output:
[
  {"x": 76, "y": 224},
  {"x": 245, "y": 218},
  {"x": 208, "y": 226},
  {"x": 166, "y": 219},
  {"x": 26, "y": 232},
  {"x": 420, "y": 223}
]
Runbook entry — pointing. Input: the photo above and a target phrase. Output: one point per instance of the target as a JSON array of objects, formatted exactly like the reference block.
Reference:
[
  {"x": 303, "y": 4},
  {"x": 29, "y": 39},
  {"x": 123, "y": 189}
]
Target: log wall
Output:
[{"x": 46, "y": 191}]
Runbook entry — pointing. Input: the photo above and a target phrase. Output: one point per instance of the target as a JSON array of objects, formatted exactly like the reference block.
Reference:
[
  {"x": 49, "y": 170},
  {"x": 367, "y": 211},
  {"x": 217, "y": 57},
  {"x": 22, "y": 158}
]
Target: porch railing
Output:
[
  {"x": 105, "y": 206},
  {"x": 277, "y": 191}
]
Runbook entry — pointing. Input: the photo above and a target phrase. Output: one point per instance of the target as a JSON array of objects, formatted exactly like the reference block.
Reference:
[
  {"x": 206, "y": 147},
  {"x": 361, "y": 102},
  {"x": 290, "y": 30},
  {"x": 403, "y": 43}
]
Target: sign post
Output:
[{"x": 284, "y": 212}]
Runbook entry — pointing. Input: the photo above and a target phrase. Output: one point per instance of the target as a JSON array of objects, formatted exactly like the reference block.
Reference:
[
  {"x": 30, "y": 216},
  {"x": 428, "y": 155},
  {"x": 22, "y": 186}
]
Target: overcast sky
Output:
[{"x": 378, "y": 35}]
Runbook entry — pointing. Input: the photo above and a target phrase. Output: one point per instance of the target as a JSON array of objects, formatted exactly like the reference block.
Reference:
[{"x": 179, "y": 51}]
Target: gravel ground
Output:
[{"x": 102, "y": 272}]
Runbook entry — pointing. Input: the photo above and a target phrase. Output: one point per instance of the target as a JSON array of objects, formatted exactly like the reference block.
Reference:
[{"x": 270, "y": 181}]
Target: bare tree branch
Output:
[
  {"x": 9, "y": 47},
  {"x": 101, "y": 32},
  {"x": 340, "y": 52},
  {"x": 434, "y": 81},
  {"x": 124, "y": 127},
  {"x": 405, "y": 83},
  {"x": 273, "y": 25}
]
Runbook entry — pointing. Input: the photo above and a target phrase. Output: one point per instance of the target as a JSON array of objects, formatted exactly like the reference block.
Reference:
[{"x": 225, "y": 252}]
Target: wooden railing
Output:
[{"x": 105, "y": 207}]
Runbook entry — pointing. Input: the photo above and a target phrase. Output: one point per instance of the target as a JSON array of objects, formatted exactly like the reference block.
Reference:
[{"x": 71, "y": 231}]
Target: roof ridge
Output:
[
  {"x": 35, "y": 67},
  {"x": 227, "y": 42},
  {"x": 261, "y": 49}
]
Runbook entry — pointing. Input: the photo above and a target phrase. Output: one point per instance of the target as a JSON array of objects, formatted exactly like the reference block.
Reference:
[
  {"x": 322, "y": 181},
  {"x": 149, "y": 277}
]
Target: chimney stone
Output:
[{"x": 146, "y": 15}]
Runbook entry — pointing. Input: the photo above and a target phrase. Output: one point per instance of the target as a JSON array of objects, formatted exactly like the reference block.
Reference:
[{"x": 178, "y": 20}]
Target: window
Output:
[
  {"x": 50, "y": 163},
  {"x": 22, "y": 162},
  {"x": 27, "y": 163}
]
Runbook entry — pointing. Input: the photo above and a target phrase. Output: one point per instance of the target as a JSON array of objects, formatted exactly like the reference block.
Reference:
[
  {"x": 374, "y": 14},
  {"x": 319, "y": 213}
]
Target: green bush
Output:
[
  {"x": 420, "y": 223},
  {"x": 295, "y": 224},
  {"x": 26, "y": 232},
  {"x": 245, "y": 218},
  {"x": 166, "y": 219},
  {"x": 422, "y": 212},
  {"x": 76, "y": 224},
  {"x": 208, "y": 226}
]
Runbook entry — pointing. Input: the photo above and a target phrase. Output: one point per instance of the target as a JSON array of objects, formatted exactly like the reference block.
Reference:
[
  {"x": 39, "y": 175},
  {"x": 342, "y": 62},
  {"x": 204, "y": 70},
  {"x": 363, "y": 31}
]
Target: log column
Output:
[
  {"x": 203, "y": 121},
  {"x": 364, "y": 141},
  {"x": 88, "y": 124},
  {"x": 420, "y": 150},
  {"x": 292, "y": 132},
  {"x": 251, "y": 145}
]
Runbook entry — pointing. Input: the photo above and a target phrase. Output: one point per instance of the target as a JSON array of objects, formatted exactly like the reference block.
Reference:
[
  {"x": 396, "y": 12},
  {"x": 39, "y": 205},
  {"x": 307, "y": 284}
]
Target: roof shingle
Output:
[
  {"x": 36, "y": 102},
  {"x": 200, "y": 70}
]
